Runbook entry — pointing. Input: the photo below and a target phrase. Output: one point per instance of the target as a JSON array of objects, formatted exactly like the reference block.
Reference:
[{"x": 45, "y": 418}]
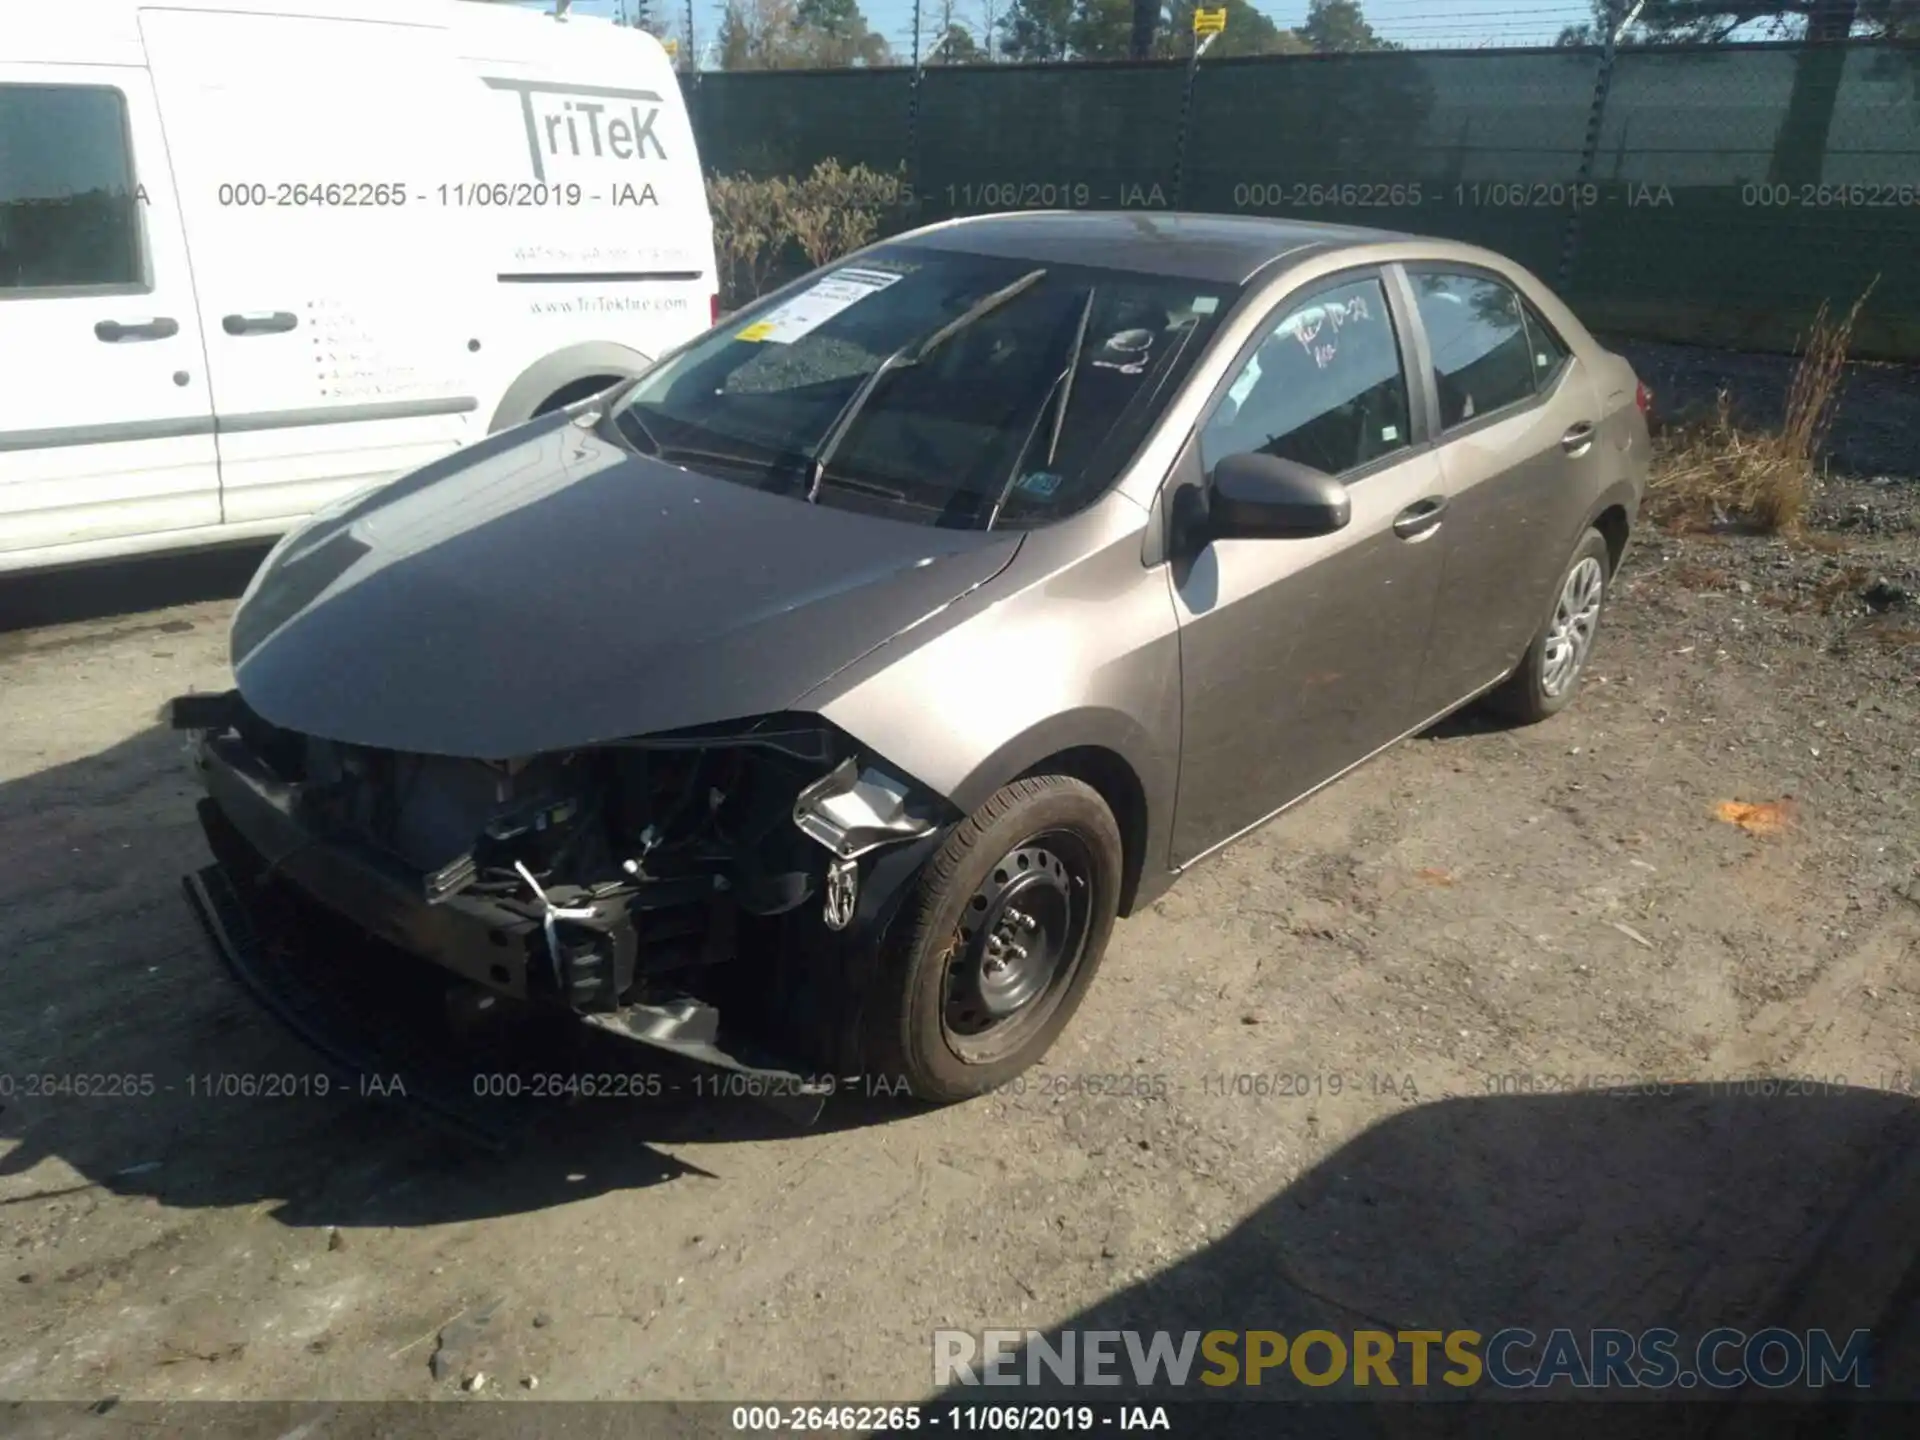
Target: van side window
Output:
[
  {"x": 1481, "y": 357},
  {"x": 69, "y": 212}
]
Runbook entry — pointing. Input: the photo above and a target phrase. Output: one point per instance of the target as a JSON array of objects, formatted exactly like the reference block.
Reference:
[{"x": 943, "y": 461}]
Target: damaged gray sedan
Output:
[{"x": 812, "y": 704}]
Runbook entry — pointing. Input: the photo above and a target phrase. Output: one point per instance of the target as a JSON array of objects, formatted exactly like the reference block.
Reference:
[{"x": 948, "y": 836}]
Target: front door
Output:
[
  {"x": 106, "y": 426},
  {"x": 1299, "y": 658}
]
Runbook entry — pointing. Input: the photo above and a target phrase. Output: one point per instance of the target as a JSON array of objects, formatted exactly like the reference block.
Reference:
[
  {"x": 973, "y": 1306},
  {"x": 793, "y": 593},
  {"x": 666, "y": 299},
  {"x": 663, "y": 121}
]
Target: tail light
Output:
[
  {"x": 1643, "y": 397},
  {"x": 713, "y": 312}
]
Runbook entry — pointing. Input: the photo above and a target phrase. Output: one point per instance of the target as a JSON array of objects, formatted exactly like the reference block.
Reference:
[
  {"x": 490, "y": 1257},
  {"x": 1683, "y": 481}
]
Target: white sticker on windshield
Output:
[
  {"x": 816, "y": 305},
  {"x": 1205, "y": 304}
]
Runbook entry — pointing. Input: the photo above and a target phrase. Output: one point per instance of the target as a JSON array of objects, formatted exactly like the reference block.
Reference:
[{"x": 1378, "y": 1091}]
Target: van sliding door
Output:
[{"x": 331, "y": 280}]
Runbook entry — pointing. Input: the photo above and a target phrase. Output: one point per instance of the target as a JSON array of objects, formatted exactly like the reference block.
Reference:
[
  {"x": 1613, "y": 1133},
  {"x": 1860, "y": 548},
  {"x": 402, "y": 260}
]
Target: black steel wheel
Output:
[{"x": 1002, "y": 938}]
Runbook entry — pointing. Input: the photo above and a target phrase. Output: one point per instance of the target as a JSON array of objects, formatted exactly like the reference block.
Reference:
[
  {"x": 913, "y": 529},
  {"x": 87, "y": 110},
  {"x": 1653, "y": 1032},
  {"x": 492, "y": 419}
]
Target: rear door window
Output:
[
  {"x": 1550, "y": 352},
  {"x": 1483, "y": 358}
]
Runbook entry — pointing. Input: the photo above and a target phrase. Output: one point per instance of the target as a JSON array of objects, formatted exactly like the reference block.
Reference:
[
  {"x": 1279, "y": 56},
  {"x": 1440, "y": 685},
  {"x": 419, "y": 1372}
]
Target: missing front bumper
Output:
[{"x": 370, "y": 1008}]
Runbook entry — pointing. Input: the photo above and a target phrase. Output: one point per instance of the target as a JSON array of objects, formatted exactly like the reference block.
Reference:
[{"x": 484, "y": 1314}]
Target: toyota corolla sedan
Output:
[{"x": 813, "y": 704}]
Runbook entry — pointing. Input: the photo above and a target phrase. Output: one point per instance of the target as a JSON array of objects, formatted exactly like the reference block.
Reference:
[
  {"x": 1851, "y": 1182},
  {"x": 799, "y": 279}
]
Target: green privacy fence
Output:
[{"x": 1713, "y": 194}]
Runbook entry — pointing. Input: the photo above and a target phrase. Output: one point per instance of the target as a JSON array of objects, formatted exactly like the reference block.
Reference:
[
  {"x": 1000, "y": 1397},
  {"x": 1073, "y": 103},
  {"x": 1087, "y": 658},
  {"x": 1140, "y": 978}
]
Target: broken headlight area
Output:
[{"x": 645, "y": 885}]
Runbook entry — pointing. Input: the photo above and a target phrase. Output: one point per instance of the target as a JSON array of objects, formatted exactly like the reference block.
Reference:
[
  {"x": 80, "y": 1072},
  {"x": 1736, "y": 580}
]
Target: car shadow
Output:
[
  {"x": 1748, "y": 1205},
  {"x": 131, "y": 1057},
  {"x": 127, "y": 587}
]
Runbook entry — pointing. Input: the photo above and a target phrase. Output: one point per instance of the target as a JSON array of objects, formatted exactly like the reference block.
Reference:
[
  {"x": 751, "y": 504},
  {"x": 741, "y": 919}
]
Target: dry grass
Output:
[{"x": 1711, "y": 470}]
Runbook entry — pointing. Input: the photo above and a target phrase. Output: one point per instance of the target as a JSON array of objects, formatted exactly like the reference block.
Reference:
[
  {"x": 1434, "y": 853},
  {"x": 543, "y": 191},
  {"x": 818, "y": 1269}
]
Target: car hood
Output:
[{"x": 546, "y": 590}]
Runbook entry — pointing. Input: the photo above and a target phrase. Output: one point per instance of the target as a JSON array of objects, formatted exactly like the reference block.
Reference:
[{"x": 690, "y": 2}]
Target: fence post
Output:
[
  {"x": 913, "y": 125},
  {"x": 1590, "y": 154},
  {"x": 1196, "y": 45}
]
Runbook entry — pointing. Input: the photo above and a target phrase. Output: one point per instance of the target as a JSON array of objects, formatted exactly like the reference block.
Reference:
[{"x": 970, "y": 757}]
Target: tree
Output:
[
  {"x": 1036, "y": 29},
  {"x": 834, "y": 33},
  {"x": 953, "y": 42},
  {"x": 1146, "y": 25},
  {"x": 797, "y": 34},
  {"x": 756, "y": 34},
  {"x": 1714, "y": 22},
  {"x": 1800, "y": 144},
  {"x": 1107, "y": 30},
  {"x": 956, "y": 46},
  {"x": 1338, "y": 27}
]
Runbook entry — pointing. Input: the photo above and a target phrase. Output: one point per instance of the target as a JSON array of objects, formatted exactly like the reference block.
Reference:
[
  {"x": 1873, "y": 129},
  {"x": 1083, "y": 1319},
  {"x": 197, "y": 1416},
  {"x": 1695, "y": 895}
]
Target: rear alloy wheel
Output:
[
  {"x": 1549, "y": 676},
  {"x": 1002, "y": 938}
]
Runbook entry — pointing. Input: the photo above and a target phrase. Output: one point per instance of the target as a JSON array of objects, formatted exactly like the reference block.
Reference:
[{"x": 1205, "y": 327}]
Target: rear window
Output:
[{"x": 947, "y": 388}]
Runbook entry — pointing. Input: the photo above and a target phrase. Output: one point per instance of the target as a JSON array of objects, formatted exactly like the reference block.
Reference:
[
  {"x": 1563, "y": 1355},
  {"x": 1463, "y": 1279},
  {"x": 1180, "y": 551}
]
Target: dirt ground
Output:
[{"x": 1428, "y": 974}]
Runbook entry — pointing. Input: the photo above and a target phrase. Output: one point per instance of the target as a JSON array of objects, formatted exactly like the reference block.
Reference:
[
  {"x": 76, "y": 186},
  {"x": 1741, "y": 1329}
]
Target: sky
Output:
[{"x": 1422, "y": 24}]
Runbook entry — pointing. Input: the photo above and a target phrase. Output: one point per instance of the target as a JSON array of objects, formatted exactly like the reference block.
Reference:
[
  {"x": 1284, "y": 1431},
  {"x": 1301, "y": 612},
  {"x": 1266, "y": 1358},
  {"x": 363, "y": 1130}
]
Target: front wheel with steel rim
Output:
[
  {"x": 1001, "y": 939},
  {"x": 1549, "y": 676}
]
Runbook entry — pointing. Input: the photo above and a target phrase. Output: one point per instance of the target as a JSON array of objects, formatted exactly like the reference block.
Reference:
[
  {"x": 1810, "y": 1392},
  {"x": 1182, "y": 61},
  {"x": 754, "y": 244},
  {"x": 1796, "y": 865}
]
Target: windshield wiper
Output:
[
  {"x": 623, "y": 418},
  {"x": 1064, "y": 385},
  {"x": 912, "y": 353}
]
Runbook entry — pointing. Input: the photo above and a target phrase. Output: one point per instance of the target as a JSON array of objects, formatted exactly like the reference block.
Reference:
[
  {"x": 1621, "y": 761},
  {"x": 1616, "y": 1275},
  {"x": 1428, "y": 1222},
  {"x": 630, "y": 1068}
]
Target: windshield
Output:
[{"x": 951, "y": 389}]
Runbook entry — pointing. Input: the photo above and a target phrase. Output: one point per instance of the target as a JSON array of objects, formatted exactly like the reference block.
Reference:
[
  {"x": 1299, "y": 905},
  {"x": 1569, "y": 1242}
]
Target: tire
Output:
[
  {"x": 1047, "y": 843},
  {"x": 1539, "y": 688}
]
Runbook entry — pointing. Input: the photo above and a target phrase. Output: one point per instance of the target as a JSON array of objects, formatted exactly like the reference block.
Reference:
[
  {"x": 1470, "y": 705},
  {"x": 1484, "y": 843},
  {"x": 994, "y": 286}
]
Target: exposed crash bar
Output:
[{"x": 852, "y": 811}]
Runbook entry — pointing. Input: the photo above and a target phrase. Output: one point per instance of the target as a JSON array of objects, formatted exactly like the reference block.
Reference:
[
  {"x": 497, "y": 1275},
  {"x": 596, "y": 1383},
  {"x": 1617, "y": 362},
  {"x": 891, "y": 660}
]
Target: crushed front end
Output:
[{"x": 720, "y": 893}]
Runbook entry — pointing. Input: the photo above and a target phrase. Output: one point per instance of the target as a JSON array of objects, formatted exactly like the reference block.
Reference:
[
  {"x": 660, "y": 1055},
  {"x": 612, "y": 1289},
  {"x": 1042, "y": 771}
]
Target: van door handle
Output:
[
  {"x": 1577, "y": 438},
  {"x": 261, "y": 322},
  {"x": 114, "y": 331},
  {"x": 1421, "y": 518}
]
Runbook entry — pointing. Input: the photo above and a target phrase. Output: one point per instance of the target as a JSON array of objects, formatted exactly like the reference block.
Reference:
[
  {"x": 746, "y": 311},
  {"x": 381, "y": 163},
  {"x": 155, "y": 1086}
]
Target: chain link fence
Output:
[{"x": 1712, "y": 194}]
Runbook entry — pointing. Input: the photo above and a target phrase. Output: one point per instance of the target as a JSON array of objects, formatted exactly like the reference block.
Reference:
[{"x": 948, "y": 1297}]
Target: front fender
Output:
[{"x": 1074, "y": 647}]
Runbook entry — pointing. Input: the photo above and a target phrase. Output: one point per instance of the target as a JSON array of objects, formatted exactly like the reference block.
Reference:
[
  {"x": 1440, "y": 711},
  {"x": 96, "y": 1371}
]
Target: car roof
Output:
[{"x": 1223, "y": 249}]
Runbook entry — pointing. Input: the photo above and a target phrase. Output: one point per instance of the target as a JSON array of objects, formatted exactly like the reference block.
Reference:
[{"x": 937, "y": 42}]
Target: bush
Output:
[
  {"x": 836, "y": 210},
  {"x": 764, "y": 229},
  {"x": 752, "y": 230},
  {"x": 1711, "y": 469}
]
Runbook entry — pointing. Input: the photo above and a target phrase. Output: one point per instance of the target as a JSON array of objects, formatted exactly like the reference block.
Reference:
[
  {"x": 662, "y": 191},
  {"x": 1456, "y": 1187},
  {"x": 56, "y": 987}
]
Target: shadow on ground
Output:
[
  {"x": 130, "y": 1054},
  {"x": 126, "y": 587},
  {"x": 1705, "y": 1206}
]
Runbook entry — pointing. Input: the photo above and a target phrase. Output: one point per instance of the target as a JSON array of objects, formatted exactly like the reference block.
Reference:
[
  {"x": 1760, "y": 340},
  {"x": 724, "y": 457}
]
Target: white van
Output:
[{"x": 257, "y": 254}]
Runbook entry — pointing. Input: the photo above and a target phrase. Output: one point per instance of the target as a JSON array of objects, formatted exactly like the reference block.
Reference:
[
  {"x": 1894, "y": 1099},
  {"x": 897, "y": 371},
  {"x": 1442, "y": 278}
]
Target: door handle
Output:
[
  {"x": 261, "y": 322},
  {"x": 1577, "y": 438},
  {"x": 1420, "y": 518},
  {"x": 163, "y": 327}
]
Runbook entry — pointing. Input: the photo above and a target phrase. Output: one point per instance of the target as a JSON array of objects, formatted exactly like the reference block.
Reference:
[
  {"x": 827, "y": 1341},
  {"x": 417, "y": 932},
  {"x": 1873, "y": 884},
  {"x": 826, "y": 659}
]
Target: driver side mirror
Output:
[{"x": 1263, "y": 497}]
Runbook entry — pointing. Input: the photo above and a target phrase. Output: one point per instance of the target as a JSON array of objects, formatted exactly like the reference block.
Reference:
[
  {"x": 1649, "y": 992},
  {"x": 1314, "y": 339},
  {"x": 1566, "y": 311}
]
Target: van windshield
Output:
[{"x": 947, "y": 388}]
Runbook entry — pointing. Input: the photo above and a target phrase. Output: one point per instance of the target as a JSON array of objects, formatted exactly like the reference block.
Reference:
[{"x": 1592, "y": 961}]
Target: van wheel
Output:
[
  {"x": 579, "y": 390},
  {"x": 999, "y": 942}
]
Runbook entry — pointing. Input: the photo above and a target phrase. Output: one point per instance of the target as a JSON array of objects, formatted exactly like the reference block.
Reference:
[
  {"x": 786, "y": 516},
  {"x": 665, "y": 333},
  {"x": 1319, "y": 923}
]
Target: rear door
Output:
[
  {"x": 331, "y": 280},
  {"x": 106, "y": 426},
  {"x": 1516, "y": 417}
]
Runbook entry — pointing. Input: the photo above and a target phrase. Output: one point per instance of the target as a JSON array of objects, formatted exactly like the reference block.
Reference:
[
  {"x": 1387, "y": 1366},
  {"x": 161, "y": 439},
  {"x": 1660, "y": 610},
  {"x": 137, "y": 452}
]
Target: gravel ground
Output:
[{"x": 1423, "y": 975}]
